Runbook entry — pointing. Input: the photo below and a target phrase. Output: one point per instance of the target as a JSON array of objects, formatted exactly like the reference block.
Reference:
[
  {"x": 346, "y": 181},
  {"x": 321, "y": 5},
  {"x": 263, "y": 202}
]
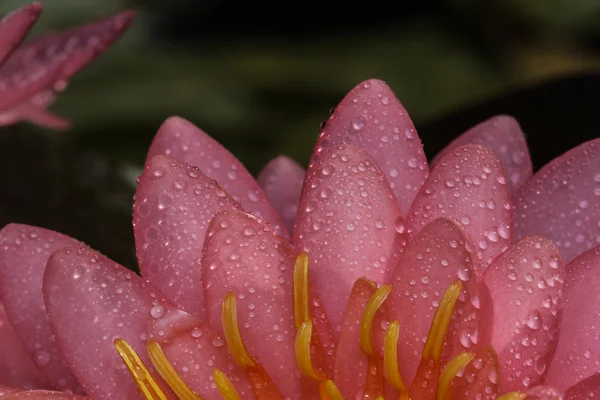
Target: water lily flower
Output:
[
  {"x": 32, "y": 75},
  {"x": 371, "y": 275}
]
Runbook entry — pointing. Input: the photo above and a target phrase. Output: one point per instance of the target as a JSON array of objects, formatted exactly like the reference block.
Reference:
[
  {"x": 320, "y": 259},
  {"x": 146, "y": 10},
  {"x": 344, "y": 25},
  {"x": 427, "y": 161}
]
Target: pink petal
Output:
[
  {"x": 44, "y": 395},
  {"x": 350, "y": 224},
  {"x": 504, "y": 136},
  {"x": 544, "y": 392},
  {"x": 24, "y": 251},
  {"x": 184, "y": 141},
  {"x": 562, "y": 201},
  {"x": 526, "y": 283},
  {"x": 15, "y": 26},
  {"x": 6, "y": 390},
  {"x": 36, "y": 114},
  {"x": 16, "y": 368},
  {"x": 174, "y": 204},
  {"x": 249, "y": 258},
  {"x": 468, "y": 186},
  {"x": 351, "y": 363},
  {"x": 438, "y": 256},
  {"x": 282, "y": 180},
  {"x": 588, "y": 388},
  {"x": 577, "y": 356},
  {"x": 91, "y": 302},
  {"x": 372, "y": 118}
]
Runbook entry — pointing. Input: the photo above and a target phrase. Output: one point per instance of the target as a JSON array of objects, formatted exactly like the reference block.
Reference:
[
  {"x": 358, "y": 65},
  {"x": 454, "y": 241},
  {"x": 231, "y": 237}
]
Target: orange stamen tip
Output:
[
  {"x": 303, "y": 356},
  {"x": 439, "y": 327},
  {"x": 301, "y": 296},
  {"x": 512, "y": 396},
  {"x": 366, "y": 325},
  {"x": 390, "y": 357},
  {"x": 232, "y": 333},
  {"x": 450, "y": 371},
  {"x": 332, "y": 391},
  {"x": 224, "y": 386},
  {"x": 148, "y": 387}
]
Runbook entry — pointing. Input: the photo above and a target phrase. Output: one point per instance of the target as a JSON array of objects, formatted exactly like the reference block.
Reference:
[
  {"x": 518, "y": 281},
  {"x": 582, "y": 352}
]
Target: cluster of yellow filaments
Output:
[{"x": 310, "y": 354}]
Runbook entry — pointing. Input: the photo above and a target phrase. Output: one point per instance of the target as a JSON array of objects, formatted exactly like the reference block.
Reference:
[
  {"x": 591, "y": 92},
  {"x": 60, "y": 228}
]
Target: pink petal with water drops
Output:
[
  {"x": 350, "y": 224},
  {"x": 468, "y": 186},
  {"x": 438, "y": 256},
  {"x": 544, "y": 392},
  {"x": 174, "y": 203},
  {"x": 184, "y": 141},
  {"x": 351, "y": 363},
  {"x": 24, "y": 251},
  {"x": 504, "y": 136},
  {"x": 6, "y": 390},
  {"x": 91, "y": 301},
  {"x": 15, "y": 26},
  {"x": 586, "y": 389},
  {"x": 247, "y": 257},
  {"x": 526, "y": 284},
  {"x": 577, "y": 356},
  {"x": 562, "y": 201},
  {"x": 16, "y": 368},
  {"x": 372, "y": 118},
  {"x": 195, "y": 351},
  {"x": 479, "y": 381},
  {"x": 44, "y": 395},
  {"x": 282, "y": 180}
]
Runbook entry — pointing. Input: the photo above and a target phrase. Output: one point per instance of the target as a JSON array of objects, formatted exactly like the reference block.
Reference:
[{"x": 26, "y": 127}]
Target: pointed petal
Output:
[
  {"x": 504, "y": 136},
  {"x": 351, "y": 363},
  {"x": 16, "y": 369},
  {"x": 282, "y": 179},
  {"x": 184, "y": 141},
  {"x": 43, "y": 395},
  {"x": 350, "y": 225},
  {"x": 247, "y": 257},
  {"x": 15, "y": 26},
  {"x": 562, "y": 201},
  {"x": 45, "y": 118},
  {"x": 577, "y": 356},
  {"x": 91, "y": 301},
  {"x": 24, "y": 251},
  {"x": 586, "y": 389},
  {"x": 480, "y": 378},
  {"x": 436, "y": 258},
  {"x": 525, "y": 284},
  {"x": 174, "y": 203},
  {"x": 372, "y": 118},
  {"x": 468, "y": 186}
]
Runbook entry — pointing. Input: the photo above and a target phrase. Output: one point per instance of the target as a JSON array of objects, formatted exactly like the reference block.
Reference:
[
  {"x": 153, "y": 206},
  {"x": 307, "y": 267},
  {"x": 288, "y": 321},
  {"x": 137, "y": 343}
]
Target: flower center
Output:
[{"x": 310, "y": 355}]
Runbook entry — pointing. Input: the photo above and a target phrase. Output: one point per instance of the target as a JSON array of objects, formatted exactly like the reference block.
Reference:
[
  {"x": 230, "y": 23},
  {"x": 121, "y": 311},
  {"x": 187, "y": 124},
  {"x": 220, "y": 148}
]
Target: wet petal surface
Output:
[{"x": 15, "y": 26}]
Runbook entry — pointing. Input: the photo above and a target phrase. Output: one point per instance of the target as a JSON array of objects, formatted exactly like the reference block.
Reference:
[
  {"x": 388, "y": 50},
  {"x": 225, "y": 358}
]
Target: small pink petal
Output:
[
  {"x": 16, "y": 367},
  {"x": 562, "y": 201},
  {"x": 15, "y": 26},
  {"x": 504, "y": 136},
  {"x": 91, "y": 301},
  {"x": 468, "y": 186},
  {"x": 247, "y": 257},
  {"x": 350, "y": 224},
  {"x": 282, "y": 180},
  {"x": 525, "y": 284},
  {"x": 44, "y": 395},
  {"x": 577, "y": 356},
  {"x": 174, "y": 203},
  {"x": 586, "y": 389},
  {"x": 184, "y": 141},
  {"x": 479, "y": 381},
  {"x": 24, "y": 251},
  {"x": 351, "y": 363},
  {"x": 438, "y": 256},
  {"x": 372, "y": 118}
]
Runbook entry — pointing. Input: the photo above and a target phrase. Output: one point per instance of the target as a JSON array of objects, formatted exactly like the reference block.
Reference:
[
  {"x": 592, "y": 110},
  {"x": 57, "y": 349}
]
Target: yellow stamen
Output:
[
  {"x": 232, "y": 333},
  {"x": 332, "y": 391},
  {"x": 224, "y": 386},
  {"x": 302, "y": 347},
  {"x": 450, "y": 371},
  {"x": 379, "y": 398},
  {"x": 512, "y": 396},
  {"x": 390, "y": 356},
  {"x": 301, "y": 300},
  {"x": 139, "y": 372},
  {"x": 439, "y": 327},
  {"x": 366, "y": 325},
  {"x": 168, "y": 373}
]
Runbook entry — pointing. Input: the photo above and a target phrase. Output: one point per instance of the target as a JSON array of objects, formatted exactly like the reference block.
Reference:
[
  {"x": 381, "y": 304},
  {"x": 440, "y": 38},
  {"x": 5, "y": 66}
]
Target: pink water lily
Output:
[
  {"x": 32, "y": 75},
  {"x": 471, "y": 280}
]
